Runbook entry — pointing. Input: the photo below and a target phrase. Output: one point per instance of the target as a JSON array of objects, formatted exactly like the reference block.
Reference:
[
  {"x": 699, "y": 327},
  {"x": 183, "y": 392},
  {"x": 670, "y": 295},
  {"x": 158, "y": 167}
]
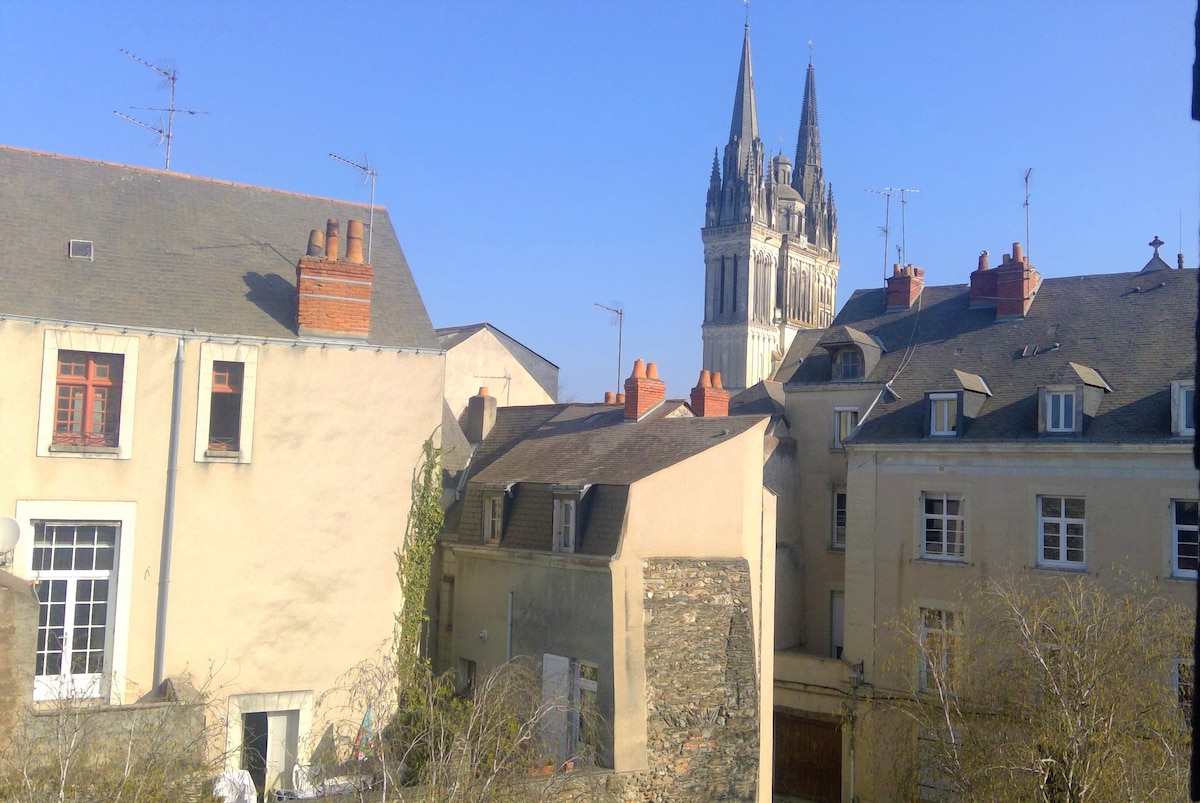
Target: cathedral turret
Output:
[
  {"x": 809, "y": 179},
  {"x": 742, "y": 193}
]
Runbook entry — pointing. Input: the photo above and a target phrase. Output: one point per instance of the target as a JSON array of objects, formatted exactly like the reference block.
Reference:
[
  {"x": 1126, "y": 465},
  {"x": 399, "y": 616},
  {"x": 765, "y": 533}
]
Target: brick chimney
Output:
[
  {"x": 333, "y": 296},
  {"x": 1017, "y": 282},
  {"x": 983, "y": 284},
  {"x": 481, "y": 416},
  {"x": 904, "y": 286},
  {"x": 709, "y": 399},
  {"x": 643, "y": 391}
]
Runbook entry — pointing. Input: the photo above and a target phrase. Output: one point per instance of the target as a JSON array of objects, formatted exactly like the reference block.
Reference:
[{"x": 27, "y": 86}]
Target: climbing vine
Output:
[{"x": 414, "y": 558}]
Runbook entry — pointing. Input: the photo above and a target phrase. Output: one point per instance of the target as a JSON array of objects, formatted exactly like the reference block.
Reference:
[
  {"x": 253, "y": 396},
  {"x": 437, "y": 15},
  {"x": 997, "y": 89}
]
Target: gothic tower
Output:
[{"x": 770, "y": 242}]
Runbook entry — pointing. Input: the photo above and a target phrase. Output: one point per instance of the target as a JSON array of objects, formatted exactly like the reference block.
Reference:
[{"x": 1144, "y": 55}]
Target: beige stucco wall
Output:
[
  {"x": 1127, "y": 491},
  {"x": 484, "y": 360},
  {"x": 282, "y": 570},
  {"x": 688, "y": 510}
]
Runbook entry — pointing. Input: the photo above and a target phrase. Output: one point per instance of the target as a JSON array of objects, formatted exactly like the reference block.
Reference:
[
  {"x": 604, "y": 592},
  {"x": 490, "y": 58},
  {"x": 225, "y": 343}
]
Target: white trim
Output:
[
  {"x": 247, "y": 355},
  {"x": 945, "y": 518},
  {"x": 55, "y": 340},
  {"x": 1064, "y": 521},
  {"x": 834, "y": 543},
  {"x": 268, "y": 702},
  {"x": 1175, "y": 530},
  {"x": 950, "y": 402},
  {"x": 838, "y": 439},
  {"x": 125, "y": 513},
  {"x": 1180, "y": 407}
]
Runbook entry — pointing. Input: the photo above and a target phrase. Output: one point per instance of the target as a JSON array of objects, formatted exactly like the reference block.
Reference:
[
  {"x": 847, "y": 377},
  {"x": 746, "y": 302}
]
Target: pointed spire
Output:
[
  {"x": 715, "y": 177},
  {"x": 744, "y": 125},
  {"x": 808, "y": 142}
]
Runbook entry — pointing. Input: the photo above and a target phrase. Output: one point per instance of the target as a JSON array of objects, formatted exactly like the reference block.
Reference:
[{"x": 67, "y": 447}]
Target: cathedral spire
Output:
[
  {"x": 808, "y": 143},
  {"x": 744, "y": 127}
]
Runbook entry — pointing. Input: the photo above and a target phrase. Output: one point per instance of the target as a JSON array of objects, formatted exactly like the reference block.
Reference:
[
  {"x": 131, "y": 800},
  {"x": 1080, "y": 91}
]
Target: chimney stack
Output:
[
  {"x": 709, "y": 399},
  {"x": 904, "y": 286},
  {"x": 983, "y": 284},
  {"x": 644, "y": 391},
  {"x": 333, "y": 297},
  {"x": 1017, "y": 283},
  {"x": 481, "y": 416},
  {"x": 610, "y": 397}
]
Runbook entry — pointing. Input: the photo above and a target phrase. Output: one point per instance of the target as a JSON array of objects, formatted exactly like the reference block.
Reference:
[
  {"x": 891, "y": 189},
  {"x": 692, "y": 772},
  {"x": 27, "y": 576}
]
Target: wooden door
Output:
[{"x": 808, "y": 758}]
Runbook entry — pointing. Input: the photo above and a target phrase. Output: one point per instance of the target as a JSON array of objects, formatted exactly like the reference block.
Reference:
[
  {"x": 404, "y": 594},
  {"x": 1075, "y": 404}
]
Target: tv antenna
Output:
[
  {"x": 368, "y": 174},
  {"x": 903, "y": 234},
  {"x": 620, "y": 313},
  {"x": 165, "y": 132},
  {"x": 1028, "y": 173},
  {"x": 887, "y": 207}
]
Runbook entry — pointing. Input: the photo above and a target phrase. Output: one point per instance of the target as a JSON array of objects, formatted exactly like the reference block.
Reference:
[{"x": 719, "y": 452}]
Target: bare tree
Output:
[{"x": 1061, "y": 689}]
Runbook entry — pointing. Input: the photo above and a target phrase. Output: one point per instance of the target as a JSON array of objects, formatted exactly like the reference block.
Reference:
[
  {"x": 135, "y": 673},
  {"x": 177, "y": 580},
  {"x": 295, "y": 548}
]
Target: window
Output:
[
  {"x": 943, "y": 414},
  {"x": 87, "y": 394},
  {"x": 73, "y": 565},
  {"x": 845, "y": 419},
  {"x": 1061, "y": 528},
  {"x": 1185, "y": 544},
  {"x": 1183, "y": 408},
  {"x": 849, "y": 364},
  {"x": 225, "y": 410},
  {"x": 587, "y": 678},
  {"x": 945, "y": 527},
  {"x": 564, "y": 524},
  {"x": 939, "y": 648},
  {"x": 569, "y": 686},
  {"x": 839, "y": 517},
  {"x": 87, "y": 407},
  {"x": 1060, "y": 410},
  {"x": 493, "y": 517}
]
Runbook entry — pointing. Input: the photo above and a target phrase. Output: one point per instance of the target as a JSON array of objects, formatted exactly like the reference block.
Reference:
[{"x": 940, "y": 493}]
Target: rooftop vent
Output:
[{"x": 79, "y": 249}]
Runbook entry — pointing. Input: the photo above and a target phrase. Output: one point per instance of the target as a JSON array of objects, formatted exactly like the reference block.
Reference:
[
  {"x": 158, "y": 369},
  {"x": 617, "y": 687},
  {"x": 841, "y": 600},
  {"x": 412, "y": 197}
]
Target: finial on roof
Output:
[
  {"x": 1156, "y": 243},
  {"x": 809, "y": 52}
]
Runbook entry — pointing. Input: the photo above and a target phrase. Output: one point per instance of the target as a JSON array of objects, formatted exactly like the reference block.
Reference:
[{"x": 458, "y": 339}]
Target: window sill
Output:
[
  {"x": 222, "y": 456},
  {"x": 934, "y": 559},
  {"x": 1077, "y": 568},
  {"x": 837, "y": 548},
  {"x": 69, "y": 448},
  {"x": 1187, "y": 578}
]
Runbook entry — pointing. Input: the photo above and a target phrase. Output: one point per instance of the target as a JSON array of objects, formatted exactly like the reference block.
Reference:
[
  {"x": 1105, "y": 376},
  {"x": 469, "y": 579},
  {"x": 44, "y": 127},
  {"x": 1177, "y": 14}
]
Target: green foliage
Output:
[{"x": 413, "y": 561}]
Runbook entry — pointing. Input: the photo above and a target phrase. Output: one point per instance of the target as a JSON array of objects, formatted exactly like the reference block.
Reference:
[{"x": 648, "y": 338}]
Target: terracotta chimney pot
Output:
[
  {"x": 639, "y": 369},
  {"x": 610, "y": 397},
  {"x": 651, "y": 370},
  {"x": 983, "y": 260},
  {"x": 331, "y": 239},
  {"x": 620, "y": 398},
  {"x": 316, "y": 243},
  {"x": 716, "y": 379},
  {"x": 483, "y": 390},
  {"x": 705, "y": 380},
  {"x": 643, "y": 390},
  {"x": 354, "y": 233}
]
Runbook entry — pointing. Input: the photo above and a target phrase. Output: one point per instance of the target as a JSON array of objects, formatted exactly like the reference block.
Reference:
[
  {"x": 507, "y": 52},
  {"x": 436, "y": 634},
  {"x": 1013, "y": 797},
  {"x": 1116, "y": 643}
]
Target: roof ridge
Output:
[{"x": 189, "y": 176}]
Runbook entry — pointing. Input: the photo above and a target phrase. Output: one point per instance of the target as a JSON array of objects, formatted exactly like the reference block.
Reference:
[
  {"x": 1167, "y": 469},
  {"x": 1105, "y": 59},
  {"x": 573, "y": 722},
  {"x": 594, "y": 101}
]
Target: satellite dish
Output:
[{"x": 10, "y": 533}]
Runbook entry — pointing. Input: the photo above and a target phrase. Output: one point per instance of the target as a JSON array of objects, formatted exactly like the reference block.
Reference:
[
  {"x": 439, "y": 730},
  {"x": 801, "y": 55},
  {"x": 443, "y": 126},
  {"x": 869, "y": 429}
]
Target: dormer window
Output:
[
  {"x": 943, "y": 415},
  {"x": 1183, "y": 409},
  {"x": 493, "y": 517},
  {"x": 1058, "y": 410},
  {"x": 849, "y": 364},
  {"x": 565, "y": 524}
]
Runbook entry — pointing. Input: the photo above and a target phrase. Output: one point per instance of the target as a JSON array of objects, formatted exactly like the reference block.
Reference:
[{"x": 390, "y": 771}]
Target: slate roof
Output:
[
  {"x": 1134, "y": 330},
  {"x": 178, "y": 252},
  {"x": 539, "y": 446}
]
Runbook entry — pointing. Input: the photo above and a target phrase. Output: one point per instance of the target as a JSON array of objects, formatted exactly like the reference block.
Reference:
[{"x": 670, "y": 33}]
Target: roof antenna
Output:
[
  {"x": 620, "y": 313},
  {"x": 165, "y": 133},
  {"x": 903, "y": 250},
  {"x": 368, "y": 173},
  {"x": 887, "y": 209},
  {"x": 1028, "y": 173}
]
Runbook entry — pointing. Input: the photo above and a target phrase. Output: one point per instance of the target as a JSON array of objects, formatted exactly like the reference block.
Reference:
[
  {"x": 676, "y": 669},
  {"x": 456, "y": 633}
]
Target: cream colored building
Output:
[
  {"x": 1013, "y": 426},
  {"x": 201, "y": 437},
  {"x": 630, "y": 551},
  {"x": 480, "y": 355}
]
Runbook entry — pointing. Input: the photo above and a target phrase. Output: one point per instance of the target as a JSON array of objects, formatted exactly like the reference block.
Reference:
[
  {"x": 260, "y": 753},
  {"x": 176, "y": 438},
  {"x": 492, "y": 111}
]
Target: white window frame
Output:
[
  {"x": 566, "y": 523},
  {"x": 1064, "y": 524},
  {"x": 111, "y": 685},
  {"x": 268, "y": 702},
  {"x": 844, "y": 415},
  {"x": 1055, "y": 406},
  {"x": 947, "y": 627},
  {"x": 837, "y": 623},
  {"x": 946, "y": 520},
  {"x": 493, "y": 516},
  {"x": 1182, "y": 395},
  {"x": 247, "y": 355},
  {"x": 1184, "y": 538},
  {"x": 838, "y": 531},
  {"x": 56, "y": 340},
  {"x": 943, "y": 415}
]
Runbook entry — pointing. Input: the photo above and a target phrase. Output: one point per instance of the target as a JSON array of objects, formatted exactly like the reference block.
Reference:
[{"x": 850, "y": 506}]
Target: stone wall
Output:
[{"x": 18, "y": 639}]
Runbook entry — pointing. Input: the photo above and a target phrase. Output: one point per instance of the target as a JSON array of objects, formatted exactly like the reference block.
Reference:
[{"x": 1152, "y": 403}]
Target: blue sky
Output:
[{"x": 537, "y": 157}]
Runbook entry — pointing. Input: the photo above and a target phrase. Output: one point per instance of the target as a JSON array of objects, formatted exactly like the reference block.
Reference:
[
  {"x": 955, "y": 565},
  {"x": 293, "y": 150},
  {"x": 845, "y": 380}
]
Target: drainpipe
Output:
[
  {"x": 508, "y": 630},
  {"x": 168, "y": 528}
]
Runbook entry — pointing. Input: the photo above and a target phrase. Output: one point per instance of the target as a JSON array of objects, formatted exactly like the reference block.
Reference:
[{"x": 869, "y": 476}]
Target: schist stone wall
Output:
[{"x": 701, "y": 682}]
